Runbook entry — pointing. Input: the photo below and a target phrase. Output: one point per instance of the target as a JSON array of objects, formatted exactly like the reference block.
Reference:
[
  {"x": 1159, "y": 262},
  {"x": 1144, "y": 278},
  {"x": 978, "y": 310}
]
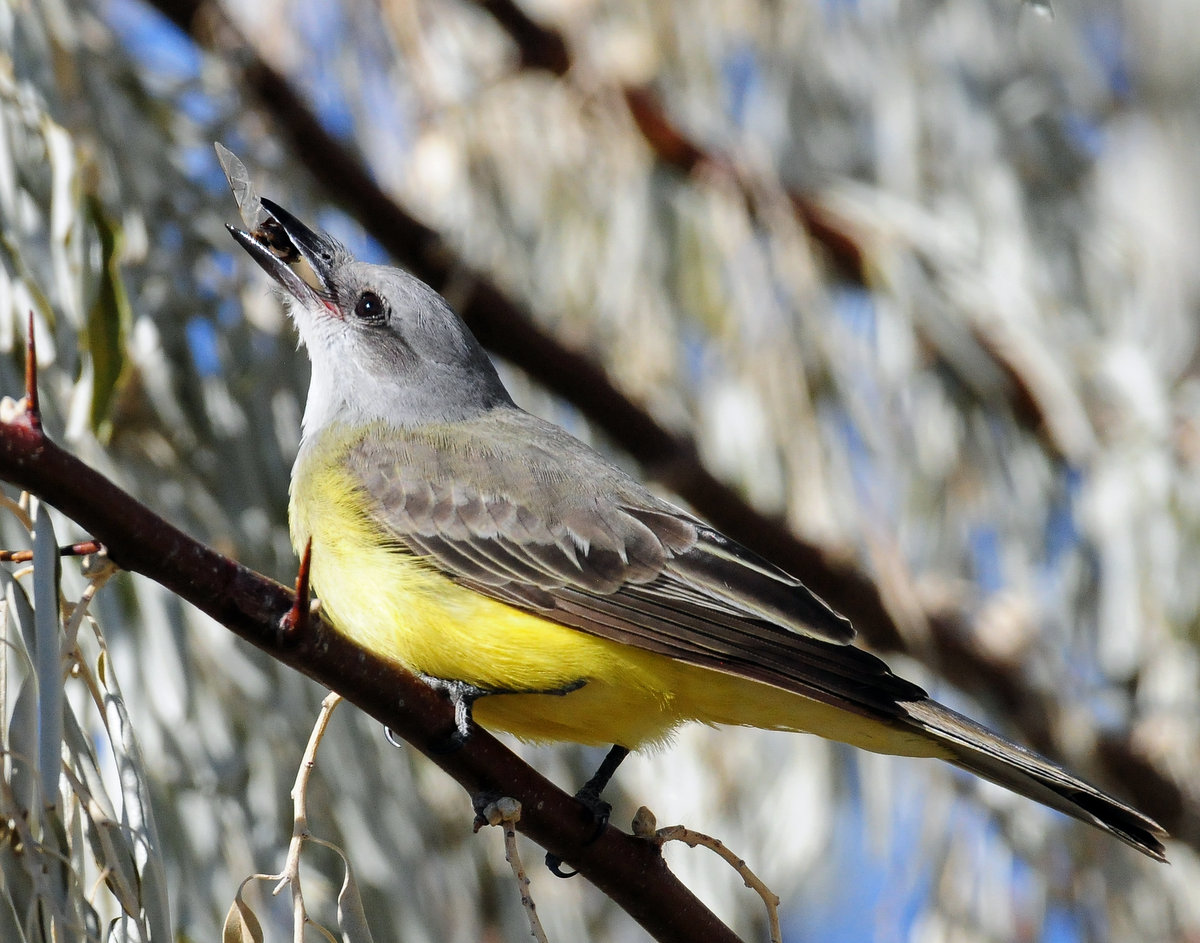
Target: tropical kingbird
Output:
[{"x": 546, "y": 590}]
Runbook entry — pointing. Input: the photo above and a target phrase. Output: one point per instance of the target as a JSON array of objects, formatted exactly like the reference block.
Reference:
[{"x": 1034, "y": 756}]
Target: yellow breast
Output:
[{"x": 391, "y": 602}]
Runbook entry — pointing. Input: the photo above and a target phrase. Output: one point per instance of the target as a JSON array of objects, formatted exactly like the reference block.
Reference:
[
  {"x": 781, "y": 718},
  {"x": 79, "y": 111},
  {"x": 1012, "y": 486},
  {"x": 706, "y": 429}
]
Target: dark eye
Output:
[{"x": 370, "y": 308}]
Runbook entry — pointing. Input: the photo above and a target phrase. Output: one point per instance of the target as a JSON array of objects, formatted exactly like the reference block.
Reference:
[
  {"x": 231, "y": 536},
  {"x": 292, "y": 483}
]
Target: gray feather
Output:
[{"x": 508, "y": 500}]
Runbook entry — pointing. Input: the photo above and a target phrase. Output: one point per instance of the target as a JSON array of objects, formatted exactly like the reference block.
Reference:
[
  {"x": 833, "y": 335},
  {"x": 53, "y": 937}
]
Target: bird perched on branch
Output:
[{"x": 546, "y": 591}]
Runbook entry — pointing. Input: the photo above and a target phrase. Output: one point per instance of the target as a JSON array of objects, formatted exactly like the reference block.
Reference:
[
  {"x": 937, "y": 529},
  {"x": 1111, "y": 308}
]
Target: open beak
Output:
[{"x": 291, "y": 253}]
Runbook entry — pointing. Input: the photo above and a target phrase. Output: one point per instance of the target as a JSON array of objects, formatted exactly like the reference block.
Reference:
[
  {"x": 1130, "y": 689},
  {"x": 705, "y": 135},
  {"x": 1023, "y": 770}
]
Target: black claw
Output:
[
  {"x": 589, "y": 797},
  {"x": 554, "y": 864},
  {"x": 599, "y": 809}
]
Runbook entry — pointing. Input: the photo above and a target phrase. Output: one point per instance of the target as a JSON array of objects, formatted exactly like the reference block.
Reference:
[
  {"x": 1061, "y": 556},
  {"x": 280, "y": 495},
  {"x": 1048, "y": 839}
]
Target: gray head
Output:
[{"x": 383, "y": 344}]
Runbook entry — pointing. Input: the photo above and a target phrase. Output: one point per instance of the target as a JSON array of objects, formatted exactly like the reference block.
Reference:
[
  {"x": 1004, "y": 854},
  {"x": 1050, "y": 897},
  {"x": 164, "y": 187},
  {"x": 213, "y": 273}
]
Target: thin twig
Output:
[
  {"x": 506, "y": 812},
  {"x": 644, "y": 826},
  {"x": 81, "y": 549},
  {"x": 290, "y": 874},
  {"x": 98, "y": 574}
]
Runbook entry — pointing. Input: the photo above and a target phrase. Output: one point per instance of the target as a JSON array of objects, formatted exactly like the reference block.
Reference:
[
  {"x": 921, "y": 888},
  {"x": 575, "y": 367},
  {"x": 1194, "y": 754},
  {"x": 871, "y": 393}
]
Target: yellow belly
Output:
[{"x": 392, "y": 603}]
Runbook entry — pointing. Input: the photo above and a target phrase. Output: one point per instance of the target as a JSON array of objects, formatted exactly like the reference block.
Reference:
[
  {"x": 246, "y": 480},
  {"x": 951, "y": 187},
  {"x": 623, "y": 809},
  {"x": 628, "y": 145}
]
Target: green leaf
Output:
[{"x": 108, "y": 322}]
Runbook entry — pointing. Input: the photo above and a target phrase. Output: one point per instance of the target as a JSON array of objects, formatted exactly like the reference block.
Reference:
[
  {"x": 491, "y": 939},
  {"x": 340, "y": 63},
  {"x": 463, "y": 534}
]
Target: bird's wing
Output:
[{"x": 518, "y": 510}]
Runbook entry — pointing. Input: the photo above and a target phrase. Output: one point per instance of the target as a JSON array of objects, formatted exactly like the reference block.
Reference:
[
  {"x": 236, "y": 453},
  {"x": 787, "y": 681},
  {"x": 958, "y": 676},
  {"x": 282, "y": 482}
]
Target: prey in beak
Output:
[
  {"x": 296, "y": 257},
  {"x": 292, "y": 254}
]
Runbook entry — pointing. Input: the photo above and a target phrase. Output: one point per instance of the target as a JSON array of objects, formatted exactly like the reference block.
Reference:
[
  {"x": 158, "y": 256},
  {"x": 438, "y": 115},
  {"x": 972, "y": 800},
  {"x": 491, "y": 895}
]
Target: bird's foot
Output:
[
  {"x": 462, "y": 696},
  {"x": 589, "y": 797}
]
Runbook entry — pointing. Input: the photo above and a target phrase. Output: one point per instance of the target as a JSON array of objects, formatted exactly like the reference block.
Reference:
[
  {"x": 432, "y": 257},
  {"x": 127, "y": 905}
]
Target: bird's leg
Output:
[
  {"x": 463, "y": 695},
  {"x": 589, "y": 795}
]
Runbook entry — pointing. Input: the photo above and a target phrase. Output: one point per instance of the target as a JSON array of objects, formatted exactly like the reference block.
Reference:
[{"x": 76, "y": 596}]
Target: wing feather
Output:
[{"x": 517, "y": 510}]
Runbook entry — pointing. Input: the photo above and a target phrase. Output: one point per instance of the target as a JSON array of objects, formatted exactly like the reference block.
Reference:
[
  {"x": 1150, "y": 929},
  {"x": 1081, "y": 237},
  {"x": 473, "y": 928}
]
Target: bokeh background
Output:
[{"x": 914, "y": 281}]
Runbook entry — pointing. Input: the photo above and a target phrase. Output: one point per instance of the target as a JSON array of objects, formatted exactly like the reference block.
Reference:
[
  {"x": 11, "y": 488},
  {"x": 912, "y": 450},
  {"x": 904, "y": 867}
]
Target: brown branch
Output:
[
  {"x": 82, "y": 549},
  {"x": 509, "y": 330},
  {"x": 676, "y": 150},
  {"x": 629, "y": 870},
  {"x": 540, "y": 47}
]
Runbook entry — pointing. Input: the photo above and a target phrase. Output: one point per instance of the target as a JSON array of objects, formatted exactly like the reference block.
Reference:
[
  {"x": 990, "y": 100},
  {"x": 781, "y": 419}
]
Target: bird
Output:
[{"x": 546, "y": 591}]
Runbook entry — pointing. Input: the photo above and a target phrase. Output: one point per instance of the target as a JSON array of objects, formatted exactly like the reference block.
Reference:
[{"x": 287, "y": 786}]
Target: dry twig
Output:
[
  {"x": 506, "y": 812},
  {"x": 645, "y": 826}
]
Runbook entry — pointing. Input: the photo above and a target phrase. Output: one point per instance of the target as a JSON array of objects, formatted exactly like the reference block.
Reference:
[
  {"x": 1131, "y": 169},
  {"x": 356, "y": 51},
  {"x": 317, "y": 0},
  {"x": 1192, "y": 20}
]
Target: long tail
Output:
[{"x": 979, "y": 751}]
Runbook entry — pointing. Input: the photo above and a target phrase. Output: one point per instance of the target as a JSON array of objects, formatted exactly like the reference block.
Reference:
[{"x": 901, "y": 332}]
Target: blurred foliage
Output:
[
  {"x": 80, "y": 857},
  {"x": 1002, "y": 414}
]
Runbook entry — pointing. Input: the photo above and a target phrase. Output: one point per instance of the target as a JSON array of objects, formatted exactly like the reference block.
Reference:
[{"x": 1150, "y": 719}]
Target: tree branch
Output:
[{"x": 629, "y": 870}]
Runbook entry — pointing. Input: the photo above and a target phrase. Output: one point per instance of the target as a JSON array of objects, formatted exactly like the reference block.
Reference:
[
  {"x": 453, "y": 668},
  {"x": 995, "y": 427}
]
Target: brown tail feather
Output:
[{"x": 979, "y": 751}]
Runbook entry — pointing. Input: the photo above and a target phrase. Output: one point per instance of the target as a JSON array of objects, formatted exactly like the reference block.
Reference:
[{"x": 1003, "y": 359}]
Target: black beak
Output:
[{"x": 291, "y": 253}]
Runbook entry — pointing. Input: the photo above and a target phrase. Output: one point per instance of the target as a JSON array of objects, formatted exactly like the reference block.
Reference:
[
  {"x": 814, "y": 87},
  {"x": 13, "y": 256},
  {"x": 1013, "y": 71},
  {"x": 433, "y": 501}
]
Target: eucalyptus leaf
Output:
[
  {"x": 108, "y": 322},
  {"x": 47, "y": 656},
  {"x": 241, "y": 924}
]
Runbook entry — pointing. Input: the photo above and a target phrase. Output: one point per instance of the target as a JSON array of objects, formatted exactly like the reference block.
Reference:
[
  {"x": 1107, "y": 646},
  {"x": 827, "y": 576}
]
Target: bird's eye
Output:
[{"x": 370, "y": 308}]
